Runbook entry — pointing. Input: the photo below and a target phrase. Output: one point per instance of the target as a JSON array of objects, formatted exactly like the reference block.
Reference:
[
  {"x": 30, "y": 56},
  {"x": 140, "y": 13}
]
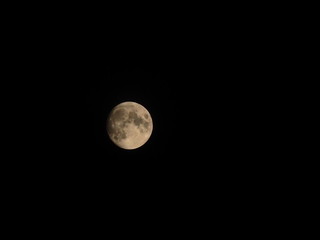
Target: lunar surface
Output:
[{"x": 129, "y": 125}]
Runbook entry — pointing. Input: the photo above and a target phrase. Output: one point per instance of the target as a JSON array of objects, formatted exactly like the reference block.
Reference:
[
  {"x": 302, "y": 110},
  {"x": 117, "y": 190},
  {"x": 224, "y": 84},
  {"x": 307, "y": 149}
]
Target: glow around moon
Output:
[{"x": 129, "y": 125}]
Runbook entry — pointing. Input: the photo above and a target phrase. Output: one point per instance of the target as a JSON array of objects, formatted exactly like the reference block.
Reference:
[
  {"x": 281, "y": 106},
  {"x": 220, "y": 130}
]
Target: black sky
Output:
[
  {"x": 203, "y": 84},
  {"x": 200, "y": 102},
  {"x": 200, "y": 94}
]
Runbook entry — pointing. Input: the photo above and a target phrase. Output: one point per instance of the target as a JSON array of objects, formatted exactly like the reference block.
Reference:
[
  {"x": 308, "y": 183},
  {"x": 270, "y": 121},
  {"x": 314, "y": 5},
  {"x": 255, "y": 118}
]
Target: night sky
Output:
[
  {"x": 200, "y": 101},
  {"x": 204, "y": 90},
  {"x": 199, "y": 108}
]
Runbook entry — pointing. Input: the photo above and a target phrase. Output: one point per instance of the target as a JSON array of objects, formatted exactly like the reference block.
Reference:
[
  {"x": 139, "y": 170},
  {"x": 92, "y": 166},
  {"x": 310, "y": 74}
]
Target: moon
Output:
[{"x": 129, "y": 125}]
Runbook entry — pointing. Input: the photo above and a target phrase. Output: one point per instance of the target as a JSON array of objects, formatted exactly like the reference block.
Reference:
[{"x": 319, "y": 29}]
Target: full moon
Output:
[{"x": 129, "y": 125}]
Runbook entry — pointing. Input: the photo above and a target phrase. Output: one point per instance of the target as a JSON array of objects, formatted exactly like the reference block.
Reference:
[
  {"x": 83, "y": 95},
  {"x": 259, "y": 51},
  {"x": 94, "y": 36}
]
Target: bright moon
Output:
[{"x": 129, "y": 125}]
